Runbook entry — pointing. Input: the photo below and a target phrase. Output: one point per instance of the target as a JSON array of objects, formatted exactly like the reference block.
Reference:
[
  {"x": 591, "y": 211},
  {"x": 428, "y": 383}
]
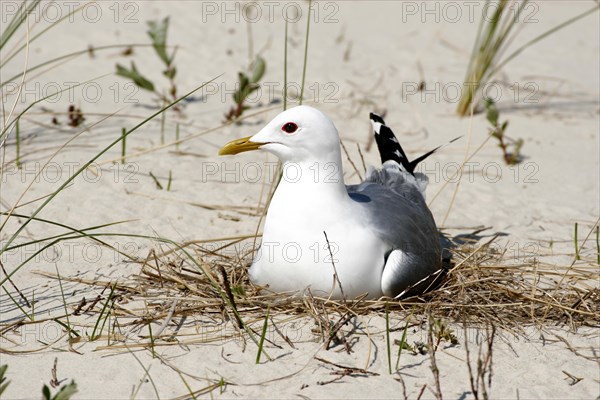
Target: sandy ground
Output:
[{"x": 363, "y": 56}]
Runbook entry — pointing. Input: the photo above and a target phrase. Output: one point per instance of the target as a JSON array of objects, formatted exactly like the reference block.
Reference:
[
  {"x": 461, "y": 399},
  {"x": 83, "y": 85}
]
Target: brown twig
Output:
[
  {"x": 434, "y": 368},
  {"x": 344, "y": 371},
  {"x": 335, "y": 274},
  {"x": 350, "y": 160},
  {"x": 54, "y": 381},
  {"x": 421, "y": 392}
]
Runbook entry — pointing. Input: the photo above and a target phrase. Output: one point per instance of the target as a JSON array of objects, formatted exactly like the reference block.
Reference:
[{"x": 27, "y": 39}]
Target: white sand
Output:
[{"x": 362, "y": 55}]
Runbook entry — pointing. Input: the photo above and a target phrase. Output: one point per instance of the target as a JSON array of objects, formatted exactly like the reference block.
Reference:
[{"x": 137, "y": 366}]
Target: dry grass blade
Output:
[{"x": 343, "y": 371}]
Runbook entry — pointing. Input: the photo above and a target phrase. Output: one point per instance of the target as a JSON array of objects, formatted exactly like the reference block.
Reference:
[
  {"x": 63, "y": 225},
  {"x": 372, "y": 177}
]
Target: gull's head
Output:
[{"x": 299, "y": 134}]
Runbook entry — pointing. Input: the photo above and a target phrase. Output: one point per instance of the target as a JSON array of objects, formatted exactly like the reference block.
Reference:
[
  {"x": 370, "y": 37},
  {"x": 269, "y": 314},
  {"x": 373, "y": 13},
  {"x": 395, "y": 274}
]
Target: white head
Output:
[{"x": 300, "y": 134}]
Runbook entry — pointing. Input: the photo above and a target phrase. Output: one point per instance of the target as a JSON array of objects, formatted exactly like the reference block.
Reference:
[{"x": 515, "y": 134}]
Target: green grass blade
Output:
[
  {"x": 71, "y": 55},
  {"x": 108, "y": 299},
  {"x": 62, "y": 294},
  {"x": 13, "y": 24},
  {"x": 16, "y": 303},
  {"x": 67, "y": 327},
  {"x": 576, "y": 242},
  {"x": 151, "y": 340},
  {"x": 94, "y": 158},
  {"x": 46, "y": 221},
  {"x": 8, "y": 127},
  {"x": 123, "y": 144},
  {"x": 305, "y": 53},
  {"x": 542, "y": 36},
  {"x": 598, "y": 245},
  {"x": 285, "y": 46},
  {"x": 18, "y": 20},
  {"x": 403, "y": 340},
  {"x": 189, "y": 389},
  {"x": 262, "y": 337},
  {"x": 17, "y": 51}
]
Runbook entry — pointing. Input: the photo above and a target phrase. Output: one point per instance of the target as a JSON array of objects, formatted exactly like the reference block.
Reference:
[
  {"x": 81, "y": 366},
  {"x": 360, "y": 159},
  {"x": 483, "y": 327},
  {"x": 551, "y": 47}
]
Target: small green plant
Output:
[
  {"x": 441, "y": 331},
  {"x": 248, "y": 84},
  {"x": 64, "y": 393},
  {"x": 511, "y": 149},
  {"x": 158, "y": 35}
]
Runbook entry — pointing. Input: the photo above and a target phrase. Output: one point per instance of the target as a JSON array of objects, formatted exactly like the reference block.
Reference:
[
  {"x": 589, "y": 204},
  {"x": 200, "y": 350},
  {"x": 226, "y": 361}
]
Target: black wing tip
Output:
[
  {"x": 376, "y": 118},
  {"x": 413, "y": 163}
]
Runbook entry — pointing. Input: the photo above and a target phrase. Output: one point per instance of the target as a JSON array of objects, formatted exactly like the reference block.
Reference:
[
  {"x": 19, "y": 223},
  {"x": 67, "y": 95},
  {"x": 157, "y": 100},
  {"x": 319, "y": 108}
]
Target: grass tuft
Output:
[{"x": 492, "y": 40}]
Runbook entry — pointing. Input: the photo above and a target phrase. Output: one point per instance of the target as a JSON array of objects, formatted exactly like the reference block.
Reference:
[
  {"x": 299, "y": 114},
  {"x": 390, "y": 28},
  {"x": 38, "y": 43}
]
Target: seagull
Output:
[{"x": 373, "y": 239}]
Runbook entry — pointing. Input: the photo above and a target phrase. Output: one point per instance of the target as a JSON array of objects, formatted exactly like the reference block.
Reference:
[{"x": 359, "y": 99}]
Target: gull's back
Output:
[{"x": 393, "y": 199}]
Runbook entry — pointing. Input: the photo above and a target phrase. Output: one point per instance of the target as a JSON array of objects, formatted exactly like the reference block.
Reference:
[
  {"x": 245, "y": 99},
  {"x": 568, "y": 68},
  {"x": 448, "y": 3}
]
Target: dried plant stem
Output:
[
  {"x": 335, "y": 274},
  {"x": 162, "y": 126},
  {"x": 387, "y": 337},
  {"x": 18, "y": 140},
  {"x": 434, "y": 368},
  {"x": 350, "y": 160}
]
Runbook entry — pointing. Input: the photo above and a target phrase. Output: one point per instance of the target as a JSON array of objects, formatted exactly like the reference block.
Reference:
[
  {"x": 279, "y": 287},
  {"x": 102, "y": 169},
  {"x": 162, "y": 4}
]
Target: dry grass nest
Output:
[{"x": 203, "y": 284}]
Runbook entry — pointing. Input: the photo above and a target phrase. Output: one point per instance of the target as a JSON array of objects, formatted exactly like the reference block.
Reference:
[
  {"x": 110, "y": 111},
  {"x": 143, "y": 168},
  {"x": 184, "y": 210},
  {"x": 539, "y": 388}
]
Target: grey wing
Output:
[{"x": 396, "y": 210}]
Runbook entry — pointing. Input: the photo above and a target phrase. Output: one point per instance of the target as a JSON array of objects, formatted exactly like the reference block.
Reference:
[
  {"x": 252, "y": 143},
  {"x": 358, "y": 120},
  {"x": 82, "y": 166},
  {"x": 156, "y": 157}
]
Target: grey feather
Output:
[{"x": 395, "y": 207}]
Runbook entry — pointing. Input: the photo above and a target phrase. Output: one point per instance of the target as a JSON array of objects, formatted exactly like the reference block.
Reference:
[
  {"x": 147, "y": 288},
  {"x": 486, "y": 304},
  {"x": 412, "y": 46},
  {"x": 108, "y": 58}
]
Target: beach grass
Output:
[{"x": 492, "y": 40}]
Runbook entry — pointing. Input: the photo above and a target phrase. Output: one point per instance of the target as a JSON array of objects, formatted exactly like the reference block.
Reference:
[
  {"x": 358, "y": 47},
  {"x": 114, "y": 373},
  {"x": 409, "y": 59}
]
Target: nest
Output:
[{"x": 203, "y": 283}]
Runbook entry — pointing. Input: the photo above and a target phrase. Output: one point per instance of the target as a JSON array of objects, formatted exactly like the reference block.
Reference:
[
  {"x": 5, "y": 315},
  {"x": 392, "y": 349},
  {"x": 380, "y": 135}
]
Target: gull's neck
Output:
[{"x": 320, "y": 180}]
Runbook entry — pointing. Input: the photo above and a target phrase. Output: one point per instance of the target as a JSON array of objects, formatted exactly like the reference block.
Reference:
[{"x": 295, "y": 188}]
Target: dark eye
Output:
[{"x": 289, "y": 127}]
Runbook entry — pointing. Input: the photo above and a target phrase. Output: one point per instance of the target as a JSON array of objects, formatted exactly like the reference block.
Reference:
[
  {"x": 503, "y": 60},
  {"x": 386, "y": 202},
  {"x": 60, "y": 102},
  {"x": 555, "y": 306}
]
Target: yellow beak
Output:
[{"x": 239, "y": 146}]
